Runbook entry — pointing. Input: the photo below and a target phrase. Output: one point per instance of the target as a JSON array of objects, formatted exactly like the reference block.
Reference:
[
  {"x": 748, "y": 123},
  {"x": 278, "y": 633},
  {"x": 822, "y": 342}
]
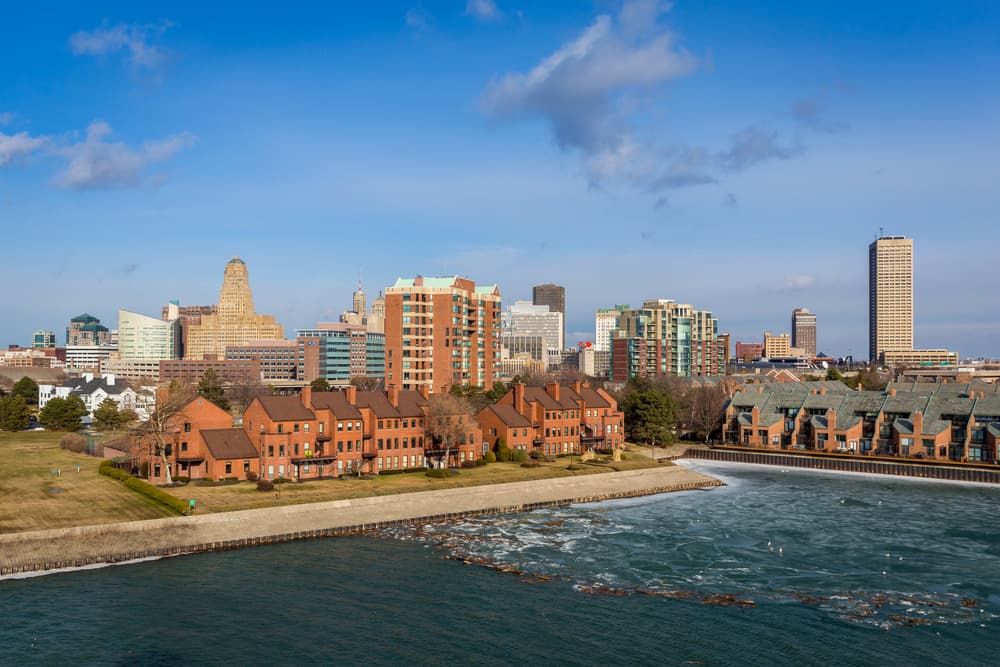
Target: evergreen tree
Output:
[
  {"x": 320, "y": 384},
  {"x": 63, "y": 414},
  {"x": 27, "y": 389},
  {"x": 107, "y": 417},
  {"x": 209, "y": 387},
  {"x": 14, "y": 414},
  {"x": 650, "y": 416}
]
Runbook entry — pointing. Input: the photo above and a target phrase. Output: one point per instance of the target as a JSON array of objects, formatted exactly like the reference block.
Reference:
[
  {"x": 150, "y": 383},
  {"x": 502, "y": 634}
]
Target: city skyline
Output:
[{"x": 765, "y": 144}]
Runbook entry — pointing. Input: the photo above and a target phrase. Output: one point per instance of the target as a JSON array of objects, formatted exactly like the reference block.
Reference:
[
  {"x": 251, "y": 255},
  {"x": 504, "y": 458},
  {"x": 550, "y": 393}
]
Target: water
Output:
[{"x": 858, "y": 571}]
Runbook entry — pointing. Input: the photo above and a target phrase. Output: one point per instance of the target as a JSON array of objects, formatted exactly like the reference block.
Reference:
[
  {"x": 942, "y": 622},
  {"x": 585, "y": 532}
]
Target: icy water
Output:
[{"x": 779, "y": 567}]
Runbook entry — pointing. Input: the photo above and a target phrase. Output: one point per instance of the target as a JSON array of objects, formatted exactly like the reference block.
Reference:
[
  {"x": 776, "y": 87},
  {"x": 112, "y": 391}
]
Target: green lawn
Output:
[
  {"x": 245, "y": 495},
  {"x": 32, "y": 497}
]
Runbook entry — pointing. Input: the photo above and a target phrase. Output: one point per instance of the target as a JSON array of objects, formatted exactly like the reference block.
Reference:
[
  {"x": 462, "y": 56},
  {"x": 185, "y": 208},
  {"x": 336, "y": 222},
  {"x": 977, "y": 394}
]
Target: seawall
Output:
[
  {"x": 41, "y": 551},
  {"x": 842, "y": 463}
]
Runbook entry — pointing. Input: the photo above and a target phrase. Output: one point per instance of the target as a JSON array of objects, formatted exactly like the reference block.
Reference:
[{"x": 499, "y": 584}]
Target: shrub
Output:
[
  {"x": 252, "y": 476},
  {"x": 439, "y": 473},
  {"x": 391, "y": 471},
  {"x": 537, "y": 454},
  {"x": 575, "y": 466},
  {"x": 489, "y": 457},
  {"x": 265, "y": 485},
  {"x": 415, "y": 469},
  {"x": 73, "y": 442},
  {"x": 623, "y": 456},
  {"x": 160, "y": 496},
  {"x": 109, "y": 470},
  {"x": 480, "y": 462},
  {"x": 530, "y": 464},
  {"x": 181, "y": 480},
  {"x": 518, "y": 455},
  {"x": 469, "y": 464}
]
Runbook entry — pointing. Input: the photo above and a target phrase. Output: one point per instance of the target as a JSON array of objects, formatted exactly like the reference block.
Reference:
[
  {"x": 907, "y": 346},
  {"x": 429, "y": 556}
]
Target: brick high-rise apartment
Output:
[
  {"x": 890, "y": 296},
  {"x": 688, "y": 337},
  {"x": 804, "y": 331},
  {"x": 441, "y": 332}
]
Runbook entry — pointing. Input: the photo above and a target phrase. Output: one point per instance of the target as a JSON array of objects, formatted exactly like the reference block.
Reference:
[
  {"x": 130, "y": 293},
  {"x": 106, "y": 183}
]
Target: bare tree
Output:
[
  {"x": 367, "y": 382},
  {"x": 705, "y": 407},
  {"x": 447, "y": 423},
  {"x": 164, "y": 422},
  {"x": 244, "y": 389}
]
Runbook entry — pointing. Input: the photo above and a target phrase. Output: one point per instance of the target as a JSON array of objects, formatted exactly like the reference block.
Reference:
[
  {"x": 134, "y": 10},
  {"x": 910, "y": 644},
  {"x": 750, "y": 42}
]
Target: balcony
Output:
[
  {"x": 314, "y": 457},
  {"x": 324, "y": 437}
]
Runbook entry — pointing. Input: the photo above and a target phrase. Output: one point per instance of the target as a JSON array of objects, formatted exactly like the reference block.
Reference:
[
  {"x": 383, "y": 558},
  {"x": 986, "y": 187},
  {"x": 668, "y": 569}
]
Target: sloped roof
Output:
[
  {"x": 285, "y": 408},
  {"x": 82, "y": 387},
  {"x": 335, "y": 402},
  {"x": 228, "y": 443},
  {"x": 904, "y": 426},
  {"x": 508, "y": 415},
  {"x": 593, "y": 398},
  {"x": 411, "y": 403},
  {"x": 378, "y": 403}
]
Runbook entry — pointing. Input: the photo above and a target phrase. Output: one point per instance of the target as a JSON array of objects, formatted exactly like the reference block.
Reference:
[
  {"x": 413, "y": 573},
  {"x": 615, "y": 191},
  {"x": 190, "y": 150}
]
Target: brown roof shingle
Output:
[
  {"x": 336, "y": 402},
  {"x": 285, "y": 408},
  {"x": 228, "y": 443}
]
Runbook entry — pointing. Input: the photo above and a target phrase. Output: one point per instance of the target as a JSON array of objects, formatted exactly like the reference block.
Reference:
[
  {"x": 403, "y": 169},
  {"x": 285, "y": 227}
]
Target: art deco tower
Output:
[{"x": 235, "y": 322}]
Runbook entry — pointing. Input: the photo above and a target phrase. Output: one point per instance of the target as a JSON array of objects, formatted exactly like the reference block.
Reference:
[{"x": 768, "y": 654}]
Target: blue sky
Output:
[{"x": 738, "y": 156}]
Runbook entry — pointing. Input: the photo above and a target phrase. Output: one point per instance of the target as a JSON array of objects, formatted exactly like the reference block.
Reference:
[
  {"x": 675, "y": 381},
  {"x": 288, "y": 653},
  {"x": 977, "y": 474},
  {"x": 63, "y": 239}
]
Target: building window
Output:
[
  {"x": 229, "y": 467},
  {"x": 270, "y": 450},
  {"x": 184, "y": 446},
  {"x": 187, "y": 427},
  {"x": 295, "y": 428}
]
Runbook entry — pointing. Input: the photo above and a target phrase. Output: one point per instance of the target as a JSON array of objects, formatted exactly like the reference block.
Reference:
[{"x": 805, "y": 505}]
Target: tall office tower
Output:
[
  {"x": 42, "y": 338},
  {"x": 376, "y": 318},
  {"x": 235, "y": 323},
  {"x": 86, "y": 329},
  {"x": 441, "y": 332},
  {"x": 142, "y": 337},
  {"x": 686, "y": 340},
  {"x": 359, "y": 300},
  {"x": 890, "y": 296},
  {"x": 605, "y": 322},
  {"x": 553, "y": 296},
  {"x": 524, "y": 321},
  {"x": 804, "y": 331}
]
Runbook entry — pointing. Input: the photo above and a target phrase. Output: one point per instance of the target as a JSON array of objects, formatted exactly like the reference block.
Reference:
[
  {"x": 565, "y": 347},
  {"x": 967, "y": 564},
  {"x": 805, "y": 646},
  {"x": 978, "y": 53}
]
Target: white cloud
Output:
[
  {"x": 6, "y": 118},
  {"x": 13, "y": 146},
  {"x": 136, "y": 40},
  {"x": 584, "y": 90},
  {"x": 483, "y": 10},
  {"x": 96, "y": 164},
  {"x": 798, "y": 282}
]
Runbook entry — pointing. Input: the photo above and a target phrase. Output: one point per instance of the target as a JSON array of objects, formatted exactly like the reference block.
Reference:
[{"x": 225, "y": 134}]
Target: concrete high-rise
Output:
[
  {"x": 441, "y": 332},
  {"x": 890, "y": 296},
  {"x": 605, "y": 322},
  {"x": 680, "y": 340},
  {"x": 148, "y": 338},
  {"x": 804, "y": 331},
  {"x": 553, "y": 296},
  {"x": 235, "y": 322},
  {"x": 526, "y": 319}
]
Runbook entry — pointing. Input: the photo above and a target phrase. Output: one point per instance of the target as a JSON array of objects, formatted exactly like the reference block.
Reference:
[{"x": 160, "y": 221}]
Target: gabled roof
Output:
[
  {"x": 378, "y": 403},
  {"x": 508, "y": 415},
  {"x": 228, "y": 443},
  {"x": 411, "y": 403},
  {"x": 335, "y": 402},
  {"x": 285, "y": 408},
  {"x": 593, "y": 398},
  {"x": 82, "y": 387}
]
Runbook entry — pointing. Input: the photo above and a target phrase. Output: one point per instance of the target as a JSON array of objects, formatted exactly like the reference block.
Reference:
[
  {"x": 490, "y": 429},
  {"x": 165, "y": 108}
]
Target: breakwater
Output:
[
  {"x": 42, "y": 551},
  {"x": 942, "y": 471}
]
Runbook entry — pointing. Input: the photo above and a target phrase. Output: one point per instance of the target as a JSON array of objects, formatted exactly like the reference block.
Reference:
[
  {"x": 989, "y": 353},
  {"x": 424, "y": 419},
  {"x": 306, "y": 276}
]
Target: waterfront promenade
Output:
[{"x": 110, "y": 543}]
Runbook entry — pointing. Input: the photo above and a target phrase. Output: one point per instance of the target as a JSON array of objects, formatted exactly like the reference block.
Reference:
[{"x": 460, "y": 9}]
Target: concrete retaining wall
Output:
[{"x": 41, "y": 551}]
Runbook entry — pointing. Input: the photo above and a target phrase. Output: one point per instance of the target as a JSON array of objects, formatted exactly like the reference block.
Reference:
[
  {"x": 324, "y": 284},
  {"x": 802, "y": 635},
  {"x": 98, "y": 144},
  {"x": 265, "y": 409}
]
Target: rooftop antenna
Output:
[{"x": 881, "y": 232}]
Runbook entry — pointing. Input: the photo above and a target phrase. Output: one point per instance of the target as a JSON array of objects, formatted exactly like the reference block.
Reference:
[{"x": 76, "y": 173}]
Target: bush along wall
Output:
[{"x": 145, "y": 488}]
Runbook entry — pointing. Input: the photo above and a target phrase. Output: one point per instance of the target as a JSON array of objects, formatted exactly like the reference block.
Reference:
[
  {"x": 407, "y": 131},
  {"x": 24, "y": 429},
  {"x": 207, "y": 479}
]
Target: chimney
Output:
[
  {"x": 918, "y": 424},
  {"x": 822, "y": 391},
  {"x": 519, "y": 397},
  {"x": 88, "y": 377},
  {"x": 425, "y": 391},
  {"x": 392, "y": 392},
  {"x": 307, "y": 396},
  {"x": 552, "y": 389},
  {"x": 577, "y": 386},
  {"x": 351, "y": 394},
  {"x": 109, "y": 378},
  {"x": 892, "y": 391}
]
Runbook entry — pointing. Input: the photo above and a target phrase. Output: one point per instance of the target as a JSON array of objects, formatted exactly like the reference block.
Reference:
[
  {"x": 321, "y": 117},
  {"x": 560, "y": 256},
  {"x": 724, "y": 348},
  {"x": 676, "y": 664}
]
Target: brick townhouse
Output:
[{"x": 556, "y": 419}]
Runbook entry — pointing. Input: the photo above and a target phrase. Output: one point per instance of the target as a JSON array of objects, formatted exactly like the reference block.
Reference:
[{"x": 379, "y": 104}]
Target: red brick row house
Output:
[{"x": 554, "y": 419}]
